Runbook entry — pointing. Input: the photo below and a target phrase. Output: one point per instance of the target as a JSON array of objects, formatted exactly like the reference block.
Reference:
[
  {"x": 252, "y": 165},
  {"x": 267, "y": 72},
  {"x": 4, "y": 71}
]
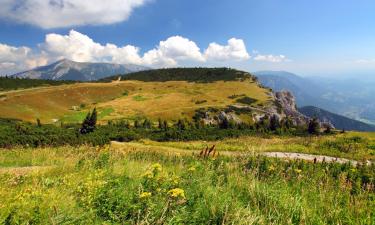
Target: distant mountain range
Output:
[
  {"x": 352, "y": 98},
  {"x": 339, "y": 122},
  {"x": 70, "y": 70}
]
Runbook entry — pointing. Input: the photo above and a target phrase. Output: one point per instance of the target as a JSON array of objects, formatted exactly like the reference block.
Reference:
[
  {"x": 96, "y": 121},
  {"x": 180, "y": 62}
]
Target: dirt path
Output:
[
  {"x": 310, "y": 157},
  {"x": 133, "y": 146}
]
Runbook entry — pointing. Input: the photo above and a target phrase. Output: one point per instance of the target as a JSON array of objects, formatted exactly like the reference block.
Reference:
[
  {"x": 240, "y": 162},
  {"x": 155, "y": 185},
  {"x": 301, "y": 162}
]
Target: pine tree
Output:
[
  {"x": 89, "y": 123},
  {"x": 93, "y": 120},
  {"x": 313, "y": 126},
  {"x": 274, "y": 123},
  {"x": 160, "y": 124},
  {"x": 85, "y": 124},
  {"x": 147, "y": 124},
  {"x": 224, "y": 124},
  {"x": 136, "y": 124},
  {"x": 39, "y": 124},
  {"x": 181, "y": 124},
  {"x": 165, "y": 125}
]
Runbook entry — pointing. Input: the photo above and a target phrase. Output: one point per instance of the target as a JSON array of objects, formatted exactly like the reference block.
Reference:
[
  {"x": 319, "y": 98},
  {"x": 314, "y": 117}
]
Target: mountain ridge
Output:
[
  {"x": 349, "y": 98},
  {"x": 338, "y": 121},
  {"x": 65, "y": 69}
]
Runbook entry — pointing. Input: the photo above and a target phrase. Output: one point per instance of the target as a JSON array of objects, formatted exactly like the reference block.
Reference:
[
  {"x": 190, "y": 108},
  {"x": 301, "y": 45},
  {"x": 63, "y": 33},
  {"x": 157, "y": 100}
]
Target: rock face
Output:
[{"x": 286, "y": 104}]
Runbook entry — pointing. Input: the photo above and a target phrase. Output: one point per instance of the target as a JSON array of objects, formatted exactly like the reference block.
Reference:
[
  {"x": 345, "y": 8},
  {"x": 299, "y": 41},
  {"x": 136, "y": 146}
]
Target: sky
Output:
[{"x": 313, "y": 38}]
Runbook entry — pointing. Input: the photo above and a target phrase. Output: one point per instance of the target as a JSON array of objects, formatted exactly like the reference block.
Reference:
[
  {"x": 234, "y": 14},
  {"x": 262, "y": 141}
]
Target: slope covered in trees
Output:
[
  {"x": 10, "y": 83},
  {"x": 186, "y": 74}
]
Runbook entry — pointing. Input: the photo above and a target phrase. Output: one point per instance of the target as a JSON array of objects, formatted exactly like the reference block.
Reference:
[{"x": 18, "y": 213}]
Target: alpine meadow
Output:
[{"x": 100, "y": 125}]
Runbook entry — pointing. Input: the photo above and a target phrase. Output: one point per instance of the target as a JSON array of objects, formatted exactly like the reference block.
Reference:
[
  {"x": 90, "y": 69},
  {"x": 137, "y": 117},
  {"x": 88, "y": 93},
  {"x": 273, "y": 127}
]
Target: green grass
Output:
[
  {"x": 117, "y": 185},
  {"x": 139, "y": 98},
  {"x": 78, "y": 117}
]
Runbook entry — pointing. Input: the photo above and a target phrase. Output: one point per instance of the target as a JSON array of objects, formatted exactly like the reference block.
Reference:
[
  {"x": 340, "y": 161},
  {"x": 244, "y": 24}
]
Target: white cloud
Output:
[
  {"x": 234, "y": 50},
  {"x": 66, "y": 13},
  {"x": 271, "y": 58},
  {"x": 174, "y": 51},
  {"x": 81, "y": 48},
  {"x": 17, "y": 58}
]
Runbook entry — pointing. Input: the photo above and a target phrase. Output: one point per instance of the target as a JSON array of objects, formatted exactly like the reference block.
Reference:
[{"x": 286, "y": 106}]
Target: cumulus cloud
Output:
[
  {"x": 234, "y": 50},
  {"x": 81, "y": 48},
  {"x": 18, "y": 58},
  {"x": 173, "y": 51},
  {"x": 271, "y": 58},
  {"x": 66, "y": 13},
  {"x": 167, "y": 53}
]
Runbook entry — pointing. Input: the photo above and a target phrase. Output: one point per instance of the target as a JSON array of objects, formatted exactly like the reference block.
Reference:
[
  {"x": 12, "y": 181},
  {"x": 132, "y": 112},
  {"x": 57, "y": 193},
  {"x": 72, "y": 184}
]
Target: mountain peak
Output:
[{"x": 66, "y": 69}]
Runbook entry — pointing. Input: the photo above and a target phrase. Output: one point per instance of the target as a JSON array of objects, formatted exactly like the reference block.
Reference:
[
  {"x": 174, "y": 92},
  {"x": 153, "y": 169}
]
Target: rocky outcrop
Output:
[{"x": 286, "y": 107}]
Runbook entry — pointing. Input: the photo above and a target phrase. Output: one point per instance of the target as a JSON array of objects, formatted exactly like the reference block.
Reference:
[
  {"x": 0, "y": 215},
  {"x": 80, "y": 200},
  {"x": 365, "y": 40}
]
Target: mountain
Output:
[
  {"x": 339, "y": 122},
  {"x": 70, "y": 70},
  {"x": 352, "y": 98},
  {"x": 304, "y": 90}
]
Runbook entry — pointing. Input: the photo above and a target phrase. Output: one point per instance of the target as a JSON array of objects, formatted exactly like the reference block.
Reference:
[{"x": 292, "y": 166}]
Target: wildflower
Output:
[
  {"x": 148, "y": 174},
  {"x": 177, "y": 192},
  {"x": 145, "y": 195},
  {"x": 175, "y": 179},
  {"x": 156, "y": 167},
  {"x": 271, "y": 168},
  {"x": 297, "y": 170},
  {"x": 191, "y": 169}
]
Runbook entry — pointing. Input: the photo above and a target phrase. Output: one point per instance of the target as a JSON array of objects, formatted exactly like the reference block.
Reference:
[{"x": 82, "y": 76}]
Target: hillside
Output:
[
  {"x": 339, "y": 122},
  {"x": 199, "y": 75},
  {"x": 70, "y": 70},
  {"x": 162, "y": 96}
]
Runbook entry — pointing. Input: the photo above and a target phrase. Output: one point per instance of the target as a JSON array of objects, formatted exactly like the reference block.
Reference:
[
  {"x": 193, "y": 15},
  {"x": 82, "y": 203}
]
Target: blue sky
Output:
[{"x": 317, "y": 37}]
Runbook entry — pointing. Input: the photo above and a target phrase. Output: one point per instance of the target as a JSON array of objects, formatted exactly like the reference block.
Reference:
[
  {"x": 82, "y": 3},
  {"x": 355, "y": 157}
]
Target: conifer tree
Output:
[
  {"x": 165, "y": 125},
  {"x": 313, "y": 126},
  {"x": 136, "y": 124},
  {"x": 274, "y": 123},
  {"x": 160, "y": 124}
]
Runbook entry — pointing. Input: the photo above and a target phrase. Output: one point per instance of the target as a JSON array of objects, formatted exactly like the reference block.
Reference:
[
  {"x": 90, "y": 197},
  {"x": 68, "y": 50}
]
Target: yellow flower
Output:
[
  {"x": 191, "y": 169},
  {"x": 177, "y": 192},
  {"x": 297, "y": 170},
  {"x": 148, "y": 174},
  {"x": 156, "y": 167},
  {"x": 145, "y": 195},
  {"x": 271, "y": 168},
  {"x": 175, "y": 179}
]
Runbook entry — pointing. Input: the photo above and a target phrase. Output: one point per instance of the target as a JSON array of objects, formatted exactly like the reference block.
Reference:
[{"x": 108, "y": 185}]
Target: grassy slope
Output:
[
  {"x": 90, "y": 185},
  {"x": 167, "y": 100}
]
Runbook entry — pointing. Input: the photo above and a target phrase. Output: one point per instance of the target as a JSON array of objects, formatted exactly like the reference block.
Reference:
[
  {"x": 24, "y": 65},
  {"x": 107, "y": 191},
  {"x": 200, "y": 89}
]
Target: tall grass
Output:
[{"x": 129, "y": 186}]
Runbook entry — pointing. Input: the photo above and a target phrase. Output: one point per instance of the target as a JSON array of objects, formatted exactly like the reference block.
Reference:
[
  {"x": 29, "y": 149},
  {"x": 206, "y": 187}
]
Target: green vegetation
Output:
[
  {"x": 139, "y": 98},
  {"x": 117, "y": 185},
  {"x": 200, "y": 75},
  {"x": 246, "y": 100},
  {"x": 89, "y": 123},
  {"x": 9, "y": 83}
]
